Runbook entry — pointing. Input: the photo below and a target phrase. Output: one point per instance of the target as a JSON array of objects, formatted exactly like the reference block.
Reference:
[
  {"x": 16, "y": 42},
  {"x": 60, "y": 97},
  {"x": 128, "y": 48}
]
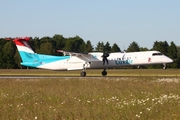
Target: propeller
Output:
[{"x": 104, "y": 56}]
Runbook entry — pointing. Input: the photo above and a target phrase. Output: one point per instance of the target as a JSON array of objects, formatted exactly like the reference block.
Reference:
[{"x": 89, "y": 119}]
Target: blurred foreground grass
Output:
[{"x": 107, "y": 98}]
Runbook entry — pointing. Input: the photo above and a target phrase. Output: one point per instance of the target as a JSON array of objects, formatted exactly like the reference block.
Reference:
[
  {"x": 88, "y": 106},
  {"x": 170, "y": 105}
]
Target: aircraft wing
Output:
[
  {"x": 88, "y": 57},
  {"x": 73, "y": 53}
]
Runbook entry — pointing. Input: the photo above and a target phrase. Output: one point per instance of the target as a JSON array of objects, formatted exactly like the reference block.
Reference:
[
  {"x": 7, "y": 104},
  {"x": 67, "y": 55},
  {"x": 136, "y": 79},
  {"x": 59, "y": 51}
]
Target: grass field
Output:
[{"x": 147, "y": 94}]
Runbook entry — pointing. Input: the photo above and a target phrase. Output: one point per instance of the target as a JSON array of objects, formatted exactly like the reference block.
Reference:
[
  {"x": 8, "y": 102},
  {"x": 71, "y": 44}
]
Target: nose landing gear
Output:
[{"x": 164, "y": 66}]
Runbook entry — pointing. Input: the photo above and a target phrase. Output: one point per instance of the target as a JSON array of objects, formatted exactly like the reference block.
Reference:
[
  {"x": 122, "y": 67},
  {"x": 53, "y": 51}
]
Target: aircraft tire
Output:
[
  {"x": 164, "y": 68},
  {"x": 104, "y": 73},
  {"x": 83, "y": 74}
]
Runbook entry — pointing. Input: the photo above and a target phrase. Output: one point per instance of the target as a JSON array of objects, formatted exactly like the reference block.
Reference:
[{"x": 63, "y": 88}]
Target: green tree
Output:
[
  {"x": 178, "y": 54},
  {"x": 172, "y": 51},
  {"x": 17, "y": 60},
  {"x": 161, "y": 46},
  {"x": 59, "y": 43},
  {"x": 173, "y": 54},
  {"x": 2, "y": 60},
  {"x": 178, "y": 49},
  {"x": 133, "y": 47},
  {"x": 46, "y": 48},
  {"x": 107, "y": 47},
  {"x": 115, "y": 48},
  {"x": 48, "y": 41},
  {"x": 75, "y": 44},
  {"x": 35, "y": 44},
  {"x": 143, "y": 49},
  {"x": 89, "y": 47},
  {"x": 99, "y": 47},
  {"x": 9, "y": 51}
]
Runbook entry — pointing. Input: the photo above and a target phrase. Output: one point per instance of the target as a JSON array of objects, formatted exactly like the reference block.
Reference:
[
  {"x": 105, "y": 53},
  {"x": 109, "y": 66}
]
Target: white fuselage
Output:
[{"x": 94, "y": 60}]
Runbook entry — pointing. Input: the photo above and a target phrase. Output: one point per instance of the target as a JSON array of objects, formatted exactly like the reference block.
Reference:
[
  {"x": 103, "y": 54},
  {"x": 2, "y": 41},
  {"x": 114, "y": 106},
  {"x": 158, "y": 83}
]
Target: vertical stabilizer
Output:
[{"x": 25, "y": 51}]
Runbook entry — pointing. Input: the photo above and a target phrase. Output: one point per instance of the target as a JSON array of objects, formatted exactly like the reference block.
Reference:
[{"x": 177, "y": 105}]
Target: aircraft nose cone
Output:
[{"x": 170, "y": 60}]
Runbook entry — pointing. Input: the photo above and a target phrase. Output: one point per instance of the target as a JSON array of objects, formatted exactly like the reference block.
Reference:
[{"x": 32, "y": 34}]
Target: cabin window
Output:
[{"x": 157, "y": 54}]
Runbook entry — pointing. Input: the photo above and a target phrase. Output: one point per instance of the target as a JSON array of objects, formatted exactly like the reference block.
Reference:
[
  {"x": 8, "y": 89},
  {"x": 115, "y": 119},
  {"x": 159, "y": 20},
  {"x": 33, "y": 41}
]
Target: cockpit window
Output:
[{"x": 157, "y": 54}]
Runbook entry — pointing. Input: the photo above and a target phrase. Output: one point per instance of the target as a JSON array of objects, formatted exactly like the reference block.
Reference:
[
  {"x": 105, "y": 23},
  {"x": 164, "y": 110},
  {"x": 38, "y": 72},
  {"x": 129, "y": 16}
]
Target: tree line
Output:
[{"x": 10, "y": 59}]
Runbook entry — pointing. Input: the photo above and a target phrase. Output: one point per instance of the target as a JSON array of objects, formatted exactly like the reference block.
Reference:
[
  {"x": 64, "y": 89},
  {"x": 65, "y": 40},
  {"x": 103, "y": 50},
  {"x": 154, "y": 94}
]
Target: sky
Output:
[{"x": 115, "y": 21}]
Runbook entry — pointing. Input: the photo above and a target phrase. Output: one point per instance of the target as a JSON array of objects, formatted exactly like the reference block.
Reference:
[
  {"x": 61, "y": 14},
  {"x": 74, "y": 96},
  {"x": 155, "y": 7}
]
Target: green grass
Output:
[{"x": 107, "y": 98}]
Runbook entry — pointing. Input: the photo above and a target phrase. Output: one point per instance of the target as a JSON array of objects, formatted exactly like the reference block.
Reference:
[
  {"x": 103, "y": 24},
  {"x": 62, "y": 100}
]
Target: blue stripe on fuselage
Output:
[{"x": 35, "y": 60}]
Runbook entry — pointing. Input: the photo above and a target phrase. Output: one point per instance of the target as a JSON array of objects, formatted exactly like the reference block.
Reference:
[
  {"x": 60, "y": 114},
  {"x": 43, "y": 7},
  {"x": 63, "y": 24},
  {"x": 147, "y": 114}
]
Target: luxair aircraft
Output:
[{"x": 92, "y": 60}]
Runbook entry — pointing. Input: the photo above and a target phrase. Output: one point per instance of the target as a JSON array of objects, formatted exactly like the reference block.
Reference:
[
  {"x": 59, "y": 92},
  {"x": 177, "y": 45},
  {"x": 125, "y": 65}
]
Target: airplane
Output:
[{"x": 82, "y": 61}]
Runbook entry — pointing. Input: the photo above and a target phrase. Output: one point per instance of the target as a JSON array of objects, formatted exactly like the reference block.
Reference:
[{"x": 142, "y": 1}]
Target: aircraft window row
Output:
[{"x": 157, "y": 54}]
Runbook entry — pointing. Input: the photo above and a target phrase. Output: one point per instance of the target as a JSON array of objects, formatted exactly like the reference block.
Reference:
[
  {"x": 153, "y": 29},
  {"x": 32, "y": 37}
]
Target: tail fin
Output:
[{"x": 25, "y": 51}]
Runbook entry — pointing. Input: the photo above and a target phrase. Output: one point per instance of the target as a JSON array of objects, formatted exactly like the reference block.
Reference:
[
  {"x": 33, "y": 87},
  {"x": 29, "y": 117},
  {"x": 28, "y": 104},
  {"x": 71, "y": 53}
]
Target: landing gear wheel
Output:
[
  {"x": 83, "y": 74},
  {"x": 164, "y": 68},
  {"x": 104, "y": 73}
]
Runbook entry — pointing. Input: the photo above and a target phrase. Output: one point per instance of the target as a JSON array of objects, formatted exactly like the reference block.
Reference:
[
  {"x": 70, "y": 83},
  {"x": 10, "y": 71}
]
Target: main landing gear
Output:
[
  {"x": 104, "y": 73},
  {"x": 83, "y": 73}
]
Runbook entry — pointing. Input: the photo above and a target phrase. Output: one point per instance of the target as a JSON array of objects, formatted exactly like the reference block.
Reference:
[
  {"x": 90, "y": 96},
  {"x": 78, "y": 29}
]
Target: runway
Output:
[{"x": 112, "y": 73}]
